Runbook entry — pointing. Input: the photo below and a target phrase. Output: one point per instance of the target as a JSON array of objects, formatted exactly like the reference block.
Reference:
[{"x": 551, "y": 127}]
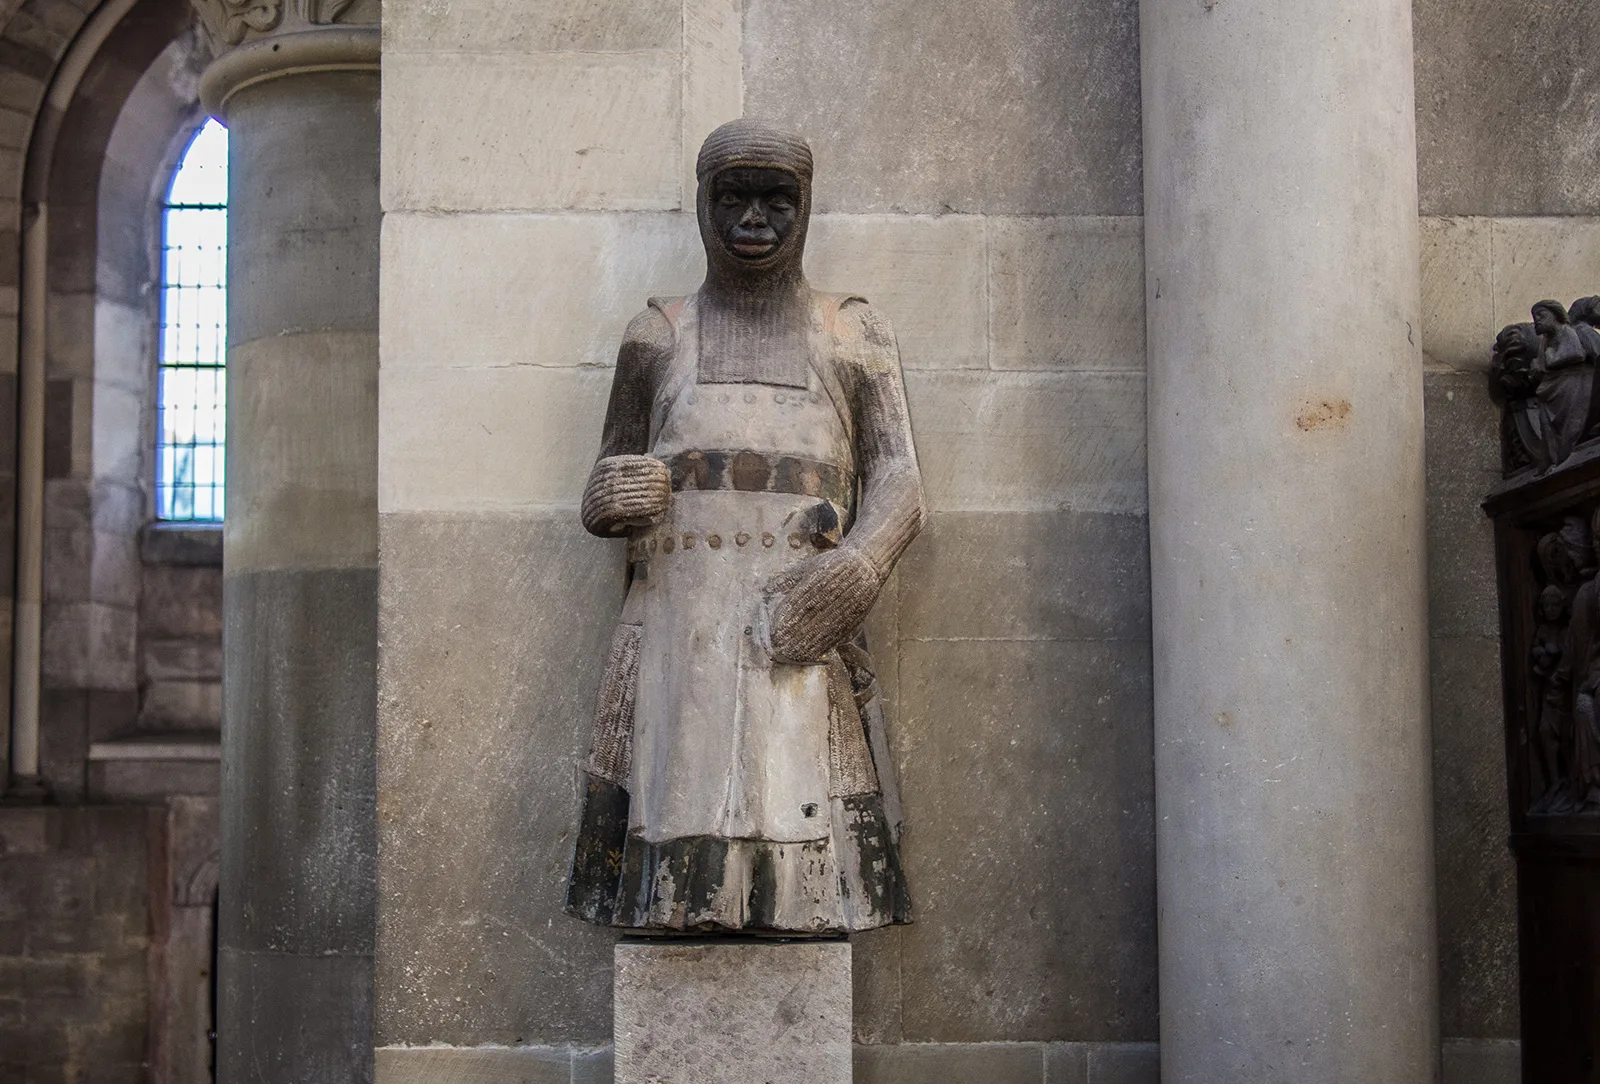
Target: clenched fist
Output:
[
  {"x": 815, "y": 605},
  {"x": 625, "y": 491}
]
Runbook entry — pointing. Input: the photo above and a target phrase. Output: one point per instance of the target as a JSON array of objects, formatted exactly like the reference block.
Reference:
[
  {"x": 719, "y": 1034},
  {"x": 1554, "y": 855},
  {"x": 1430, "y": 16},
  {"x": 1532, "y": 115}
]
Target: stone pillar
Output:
[
  {"x": 1294, "y": 823},
  {"x": 297, "y": 906}
]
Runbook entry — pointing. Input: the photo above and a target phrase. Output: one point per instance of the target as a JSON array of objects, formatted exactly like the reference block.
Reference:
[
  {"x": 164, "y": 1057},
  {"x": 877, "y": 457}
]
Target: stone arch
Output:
[{"x": 93, "y": 496}]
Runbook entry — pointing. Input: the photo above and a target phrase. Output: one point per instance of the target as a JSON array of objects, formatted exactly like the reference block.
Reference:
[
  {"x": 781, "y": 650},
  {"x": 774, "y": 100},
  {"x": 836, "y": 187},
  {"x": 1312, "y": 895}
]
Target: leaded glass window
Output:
[{"x": 191, "y": 383}]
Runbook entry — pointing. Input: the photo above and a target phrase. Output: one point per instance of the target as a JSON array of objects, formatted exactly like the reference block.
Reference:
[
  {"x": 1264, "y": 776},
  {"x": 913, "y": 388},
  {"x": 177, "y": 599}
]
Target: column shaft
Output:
[
  {"x": 1294, "y": 824},
  {"x": 300, "y": 582}
]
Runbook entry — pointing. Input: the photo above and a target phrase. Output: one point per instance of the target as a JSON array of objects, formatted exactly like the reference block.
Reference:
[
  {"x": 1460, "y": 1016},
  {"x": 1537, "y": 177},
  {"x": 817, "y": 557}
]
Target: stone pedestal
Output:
[{"x": 732, "y": 1012}]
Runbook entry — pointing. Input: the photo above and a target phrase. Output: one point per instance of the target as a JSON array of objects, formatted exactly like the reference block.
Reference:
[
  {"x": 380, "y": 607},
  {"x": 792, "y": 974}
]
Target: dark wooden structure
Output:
[{"x": 1550, "y": 643}]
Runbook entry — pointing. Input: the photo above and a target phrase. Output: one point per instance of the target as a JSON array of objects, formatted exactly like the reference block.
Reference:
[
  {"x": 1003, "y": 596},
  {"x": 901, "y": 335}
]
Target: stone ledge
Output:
[{"x": 197, "y": 545}]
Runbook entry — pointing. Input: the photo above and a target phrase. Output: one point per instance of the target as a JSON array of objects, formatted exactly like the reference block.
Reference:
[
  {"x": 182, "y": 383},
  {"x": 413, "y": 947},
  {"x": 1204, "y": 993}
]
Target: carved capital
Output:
[
  {"x": 233, "y": 22},
  {"x": 257, "y": 40}
]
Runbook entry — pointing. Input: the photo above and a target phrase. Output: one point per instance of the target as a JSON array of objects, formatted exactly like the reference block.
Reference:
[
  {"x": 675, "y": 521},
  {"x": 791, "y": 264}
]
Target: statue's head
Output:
[
  {"x": 754, "y": 199},
  {"x": 1548, "y": 316},
  {"x": 1585, "y": 310}
]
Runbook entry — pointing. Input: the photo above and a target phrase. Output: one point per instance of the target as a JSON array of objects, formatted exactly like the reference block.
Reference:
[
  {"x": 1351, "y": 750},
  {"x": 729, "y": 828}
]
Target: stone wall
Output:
[
  {"x": 74, "y": 943},
  {"x": 537, "y": 174}
]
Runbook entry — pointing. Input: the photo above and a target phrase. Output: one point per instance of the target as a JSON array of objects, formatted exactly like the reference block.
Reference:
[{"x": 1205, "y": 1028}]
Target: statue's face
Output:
[
  {"x": 1544, "y": 322},
  {"x": 754, "y": 210}
]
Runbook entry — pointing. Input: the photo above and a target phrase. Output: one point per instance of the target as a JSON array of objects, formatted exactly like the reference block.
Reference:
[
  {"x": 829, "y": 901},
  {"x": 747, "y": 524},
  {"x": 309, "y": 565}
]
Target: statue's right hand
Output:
[{"x": 625, "y": 491}]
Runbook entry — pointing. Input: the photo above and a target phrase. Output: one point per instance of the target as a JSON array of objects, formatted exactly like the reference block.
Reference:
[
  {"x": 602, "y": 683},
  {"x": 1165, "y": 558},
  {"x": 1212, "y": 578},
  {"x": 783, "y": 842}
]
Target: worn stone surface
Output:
[
  {"x": 1474, "y": 869},
  {"x": 293, "y": 227},
  {"x": 74, "y": 931},
  {"x": 481, "y": 734},
  {"x": 564, "y": 25},
  {"x": 1026, "y": 768},
  {"x": 1506, "y": 99},
  {"x": 730, "y": 1013},
  {"x": 1481, "y": 1061},
  {"x": 597, "y": 131},
  {"x": 1027, "y": 575},
  {"x": 307, "y": 404},
  {"x": 298, "y": 763},
  {"x": 473, "y": 1065},
  {"x": 1067, "y": 293},
  {"x": 1123, "y": 1063},
  {"x": 1463, "y": 464},
  {"x": 915, "y": 1063},
  {"x": 1477, "y": 916},
  {"x": 1458, "y": 325},
  {"x": 1013, "y": 441},
  {"x": 933, "y": 107},
  {"x": 321, "y": 1033},
  {"x": 490, "y": 291},
  {"x": 504, "y": 451},
  {"x": 1538, "y": 258},
  {"x": 927, "y": 275}
]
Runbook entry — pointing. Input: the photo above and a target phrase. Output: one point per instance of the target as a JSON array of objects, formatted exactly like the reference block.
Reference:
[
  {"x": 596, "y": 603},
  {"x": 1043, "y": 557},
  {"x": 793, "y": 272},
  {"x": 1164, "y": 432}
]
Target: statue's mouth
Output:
[{"x": 754, "y": 250}]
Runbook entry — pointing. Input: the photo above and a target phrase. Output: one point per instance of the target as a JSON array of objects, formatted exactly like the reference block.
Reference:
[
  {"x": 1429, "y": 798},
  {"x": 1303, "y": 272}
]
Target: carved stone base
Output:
[{"x": 732, "y": 1012}]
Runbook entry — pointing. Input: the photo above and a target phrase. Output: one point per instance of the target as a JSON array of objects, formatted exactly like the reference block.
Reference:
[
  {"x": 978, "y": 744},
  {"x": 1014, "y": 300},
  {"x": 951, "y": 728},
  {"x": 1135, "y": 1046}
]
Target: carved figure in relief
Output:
[
  {"x": 1549, "y": 641},
  {"x": 1564, "y": 371},
  {"x": 1568, "y": 730},
  {"x": 757, "y": 455},
  {"x": 1513, "y": 384}
]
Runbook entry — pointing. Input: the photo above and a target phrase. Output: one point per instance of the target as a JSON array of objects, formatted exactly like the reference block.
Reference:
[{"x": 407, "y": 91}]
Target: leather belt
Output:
[{"x": 755, "y": 472}]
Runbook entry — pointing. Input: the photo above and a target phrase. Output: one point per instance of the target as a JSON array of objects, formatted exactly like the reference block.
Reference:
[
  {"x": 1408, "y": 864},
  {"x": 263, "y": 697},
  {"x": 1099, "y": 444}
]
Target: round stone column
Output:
[
  {"x": 1294, "y": 816},
  {"x": 297, "y": 904}
]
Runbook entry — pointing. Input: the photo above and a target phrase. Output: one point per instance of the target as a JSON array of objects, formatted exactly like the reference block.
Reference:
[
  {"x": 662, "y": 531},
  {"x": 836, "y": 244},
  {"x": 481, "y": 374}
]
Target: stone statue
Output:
[
  {"x": 1565, "y": 373},
  {"x": 757, "y": 455},
  {"x": 1542, "y": 374}
]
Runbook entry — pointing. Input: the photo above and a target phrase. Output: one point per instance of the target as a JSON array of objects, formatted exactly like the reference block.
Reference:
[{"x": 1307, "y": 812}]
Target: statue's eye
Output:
[
  {"x": 780, "y": 203},
  {"x": 728, "y": 199}
]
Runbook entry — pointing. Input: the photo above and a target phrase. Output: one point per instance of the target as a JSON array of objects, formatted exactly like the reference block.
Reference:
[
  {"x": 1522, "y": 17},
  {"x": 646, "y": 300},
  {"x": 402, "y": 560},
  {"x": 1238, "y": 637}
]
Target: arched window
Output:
[{"x": 191, "y": 422}]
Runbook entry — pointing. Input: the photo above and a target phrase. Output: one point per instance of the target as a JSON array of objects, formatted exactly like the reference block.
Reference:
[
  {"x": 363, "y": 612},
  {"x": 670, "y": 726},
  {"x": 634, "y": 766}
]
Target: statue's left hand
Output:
[{"x": 814, "y": 605}]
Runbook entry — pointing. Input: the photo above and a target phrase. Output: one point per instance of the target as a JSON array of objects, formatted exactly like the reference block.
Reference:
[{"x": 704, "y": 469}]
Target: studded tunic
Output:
[{"x": 725, "y": 789}]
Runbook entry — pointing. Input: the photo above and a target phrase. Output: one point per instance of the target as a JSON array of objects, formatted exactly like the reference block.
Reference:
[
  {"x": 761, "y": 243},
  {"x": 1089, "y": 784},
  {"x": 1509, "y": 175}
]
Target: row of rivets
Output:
[
  {"x": 688, "y": 539},
  {"x": 750, "y": 397}
]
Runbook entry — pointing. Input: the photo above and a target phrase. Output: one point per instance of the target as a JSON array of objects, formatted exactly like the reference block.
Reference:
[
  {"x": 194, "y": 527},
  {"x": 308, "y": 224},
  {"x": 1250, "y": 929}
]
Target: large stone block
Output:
[
  {"x": 468, "y": 26},
  {"x": 321, "y": 1035},
  {"x": 732, "y": 1013},
  {"x": 494, "y": 631},
  {"x": 713, "y": 76},
  {"x": 940, "y": 106},
  {"x": 499, "y": 290},
  {"x": 1538, "y": 258},
  {"x": 306, "y": 407},
  {"x": 1030, "y": 441},
  {"x": 1458, "y": 325},
  {"x": 1506, "y": 101},
  {"x": 181, "y": 603},
  {"x": 473, "y": 1065},
  {"x": 1462, "y": 427},
  {"x": 1481, "y": 1061},
  {"x": 297, "y": 761},
  {"x": 291, "y": 243},
  {"x": 1475, "y": 873},
  {"x": 926, "y": 274},
  {"x": 551, "y": 131},
  {"x": 921, "y": 1063},
  {"x": 1028, "y": 791},
  {"x": 1027, "y": 575},
  {"x": 518, "y": 437},
  {"x": 1067, "y": 293}
]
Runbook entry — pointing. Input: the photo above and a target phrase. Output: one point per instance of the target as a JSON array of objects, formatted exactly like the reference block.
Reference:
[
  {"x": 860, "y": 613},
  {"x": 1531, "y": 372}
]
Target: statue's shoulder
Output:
[
  {"x": 668, "y": 309},
  {"x": 655, "y": 327},
  {"x": 853, "y": 317}
]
